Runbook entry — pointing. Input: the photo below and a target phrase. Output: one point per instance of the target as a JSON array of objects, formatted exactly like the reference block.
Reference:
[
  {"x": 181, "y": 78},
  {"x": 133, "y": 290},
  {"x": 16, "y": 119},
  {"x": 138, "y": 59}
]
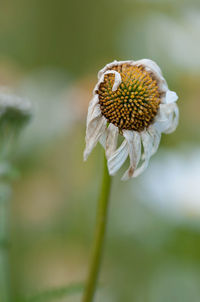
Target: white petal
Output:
[
  {"x": 118, "y": 158},
  {"x": 110, "y": 65},
  {"x": 171, "y": 97},
  {"x": 174, "y": 118},
  {"x": 118, "y": 79},
  {"x": 93, "y": 109},
  {"x": 102, "y": 139},
  {"x": 147, "y": 142},
  {"x": 156, "y": 138},
  {"x": 94, "y": 130},
  {"x": 134, "y": 147},
  {"x": 151, "y": 65},
  {"x": 167, "y": 118},
  {"x": 111, "y": 140}
]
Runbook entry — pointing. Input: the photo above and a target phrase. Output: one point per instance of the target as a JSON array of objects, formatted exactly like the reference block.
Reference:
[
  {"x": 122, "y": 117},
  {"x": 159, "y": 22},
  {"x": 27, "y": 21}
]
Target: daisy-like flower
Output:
[{"x": 132, "y": 99}]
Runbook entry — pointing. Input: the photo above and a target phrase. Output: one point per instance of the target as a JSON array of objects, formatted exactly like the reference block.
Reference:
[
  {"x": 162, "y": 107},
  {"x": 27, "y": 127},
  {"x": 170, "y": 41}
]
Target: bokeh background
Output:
[{"x": 50, "y": 52}]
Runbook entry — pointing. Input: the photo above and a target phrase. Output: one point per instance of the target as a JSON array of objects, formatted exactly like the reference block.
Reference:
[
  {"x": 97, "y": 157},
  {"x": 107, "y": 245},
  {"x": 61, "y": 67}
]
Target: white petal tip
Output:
[
  {"x": 115, "y": 86},
  {"x": 85, "y": 156},
  {"x": 124, "y": 178},
  {"x": 171, "y": 97},
  {"x": 128, "y": 174},
  {"x": 111, "y": 173}
]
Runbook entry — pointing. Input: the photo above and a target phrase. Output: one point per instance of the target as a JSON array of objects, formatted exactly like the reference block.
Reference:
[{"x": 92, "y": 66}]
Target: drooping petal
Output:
[
  {"x": 117, "y": 81},
  {"x": 156, "y": 135},
  {"x": 101, "y": 75},
  {"x": 93, "y": 105},
  {"x": 118, "y": 158},
  {"x": 167, "y": 118},
  {"x": 111, "y": 140},
  {"x": 147, "y": 141},
  {"x": 174, "y": 118},
  {"x": 94, "y": 130},
  {"x": 102, "y": 139},
  {"x": 134, "y": 146}
]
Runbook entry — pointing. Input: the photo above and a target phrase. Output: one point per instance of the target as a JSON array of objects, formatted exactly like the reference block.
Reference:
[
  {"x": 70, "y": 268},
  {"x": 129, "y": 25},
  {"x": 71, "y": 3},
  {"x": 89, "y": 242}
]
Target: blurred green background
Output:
[{"x": 50, "y": 52}]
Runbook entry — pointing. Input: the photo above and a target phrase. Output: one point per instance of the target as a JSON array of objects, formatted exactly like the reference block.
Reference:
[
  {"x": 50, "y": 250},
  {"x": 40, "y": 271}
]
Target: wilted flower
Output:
[
  {"x": 14, "y": 111},
  {"x": 131, "y": 98}
]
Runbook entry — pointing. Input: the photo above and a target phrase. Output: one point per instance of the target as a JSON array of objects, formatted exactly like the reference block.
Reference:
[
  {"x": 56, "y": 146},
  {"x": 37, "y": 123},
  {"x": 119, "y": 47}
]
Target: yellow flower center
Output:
[{"x": 135, "y": 103}]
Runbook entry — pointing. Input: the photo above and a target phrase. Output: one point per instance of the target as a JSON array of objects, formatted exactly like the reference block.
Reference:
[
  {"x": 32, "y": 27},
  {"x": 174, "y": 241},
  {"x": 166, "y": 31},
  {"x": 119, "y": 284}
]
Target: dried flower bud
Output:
[{"x": 14, "y": 111}]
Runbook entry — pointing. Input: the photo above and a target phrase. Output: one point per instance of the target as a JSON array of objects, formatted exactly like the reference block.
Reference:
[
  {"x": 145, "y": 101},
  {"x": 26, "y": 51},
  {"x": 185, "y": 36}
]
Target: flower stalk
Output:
[
  {"x": 15, "y": 113},
  {"x": 4, "y": 246},
  {"x": 101, "y": 222}
]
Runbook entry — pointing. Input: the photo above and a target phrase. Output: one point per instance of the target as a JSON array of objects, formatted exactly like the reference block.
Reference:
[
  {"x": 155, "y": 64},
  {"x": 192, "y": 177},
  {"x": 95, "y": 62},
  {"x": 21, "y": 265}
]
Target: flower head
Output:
[
  {"x": 14, "y": 111},
  {"x": 131, "y": 98}
]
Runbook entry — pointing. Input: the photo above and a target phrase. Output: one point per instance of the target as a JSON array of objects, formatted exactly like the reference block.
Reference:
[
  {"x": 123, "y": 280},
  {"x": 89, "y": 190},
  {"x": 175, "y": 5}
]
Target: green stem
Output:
[
  {"x": 101, "y": 222},
  {"x": 4, "y": 261}
]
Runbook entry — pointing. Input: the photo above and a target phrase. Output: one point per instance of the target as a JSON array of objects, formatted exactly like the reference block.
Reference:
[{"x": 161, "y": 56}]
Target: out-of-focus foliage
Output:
[{"x": 50, "y": 52}]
